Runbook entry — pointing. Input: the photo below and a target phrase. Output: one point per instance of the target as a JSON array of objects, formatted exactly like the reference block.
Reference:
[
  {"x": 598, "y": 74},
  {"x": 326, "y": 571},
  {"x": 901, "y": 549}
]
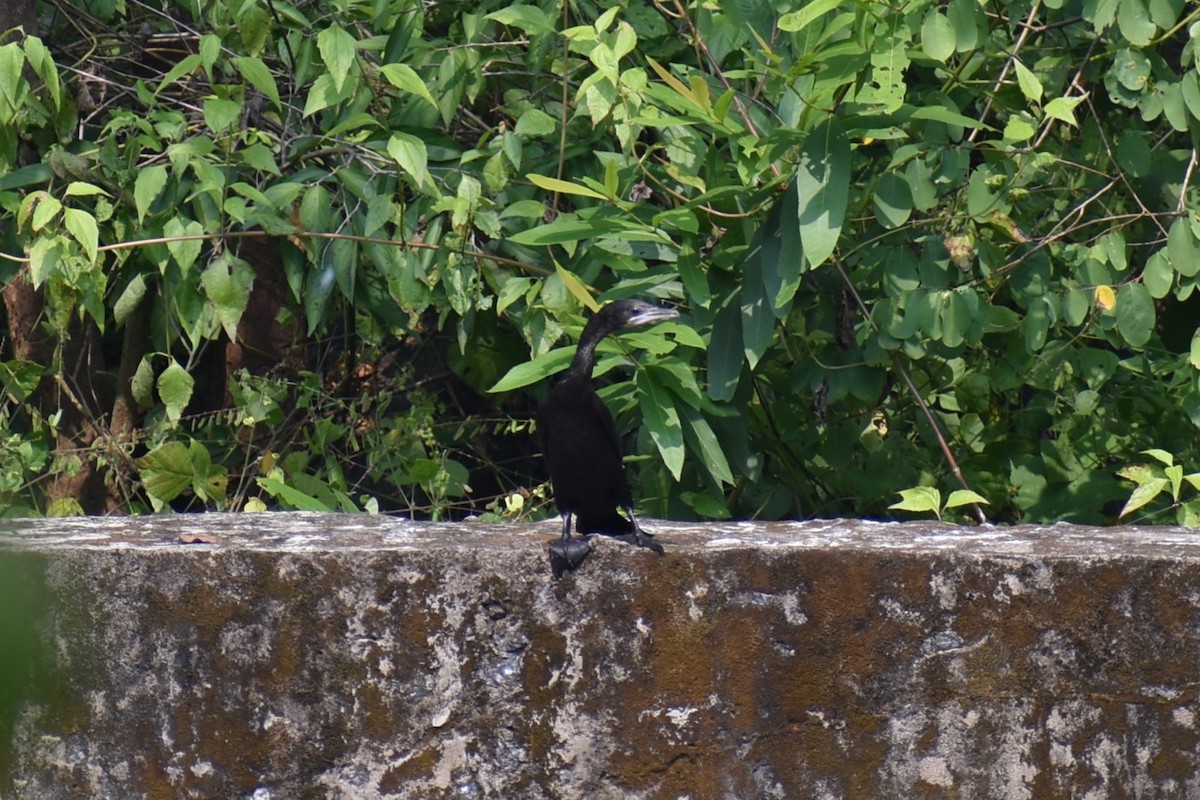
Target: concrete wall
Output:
[{"x": 308, "y": 656}]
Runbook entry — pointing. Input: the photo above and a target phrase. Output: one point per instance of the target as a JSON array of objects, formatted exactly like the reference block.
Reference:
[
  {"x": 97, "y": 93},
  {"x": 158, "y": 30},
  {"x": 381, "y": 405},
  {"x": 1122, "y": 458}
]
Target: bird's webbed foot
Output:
[
  {"x": 567, "y": 554},
  {"x": 641, "y": 539}
]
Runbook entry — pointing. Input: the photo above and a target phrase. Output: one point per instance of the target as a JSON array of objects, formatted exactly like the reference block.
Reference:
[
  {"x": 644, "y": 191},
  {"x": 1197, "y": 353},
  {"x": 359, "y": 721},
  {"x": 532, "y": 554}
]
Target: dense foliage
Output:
[{"x": 323, "y": 255}]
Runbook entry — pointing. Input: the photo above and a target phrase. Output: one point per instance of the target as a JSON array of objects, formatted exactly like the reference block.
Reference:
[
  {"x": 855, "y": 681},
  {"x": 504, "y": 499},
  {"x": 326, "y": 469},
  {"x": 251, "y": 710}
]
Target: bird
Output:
[{"x": 582, "y": 449}]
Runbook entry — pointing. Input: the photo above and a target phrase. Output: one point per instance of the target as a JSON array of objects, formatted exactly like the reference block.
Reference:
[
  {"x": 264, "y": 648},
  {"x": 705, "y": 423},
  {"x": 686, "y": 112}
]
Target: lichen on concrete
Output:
[{"x": 329, "y": 656}]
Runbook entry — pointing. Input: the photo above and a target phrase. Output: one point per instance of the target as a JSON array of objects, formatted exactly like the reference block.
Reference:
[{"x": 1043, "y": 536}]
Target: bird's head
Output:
[{"x": 632, "y": 313}]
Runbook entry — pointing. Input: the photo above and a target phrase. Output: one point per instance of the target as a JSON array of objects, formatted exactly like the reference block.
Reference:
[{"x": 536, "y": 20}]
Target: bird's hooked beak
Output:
[{"x": 650, "y": 316}]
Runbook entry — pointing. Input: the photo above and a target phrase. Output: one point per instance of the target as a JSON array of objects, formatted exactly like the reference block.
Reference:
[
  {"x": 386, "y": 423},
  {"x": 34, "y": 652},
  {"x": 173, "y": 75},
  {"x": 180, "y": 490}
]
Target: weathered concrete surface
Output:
[{"x": 310, "y": 656}]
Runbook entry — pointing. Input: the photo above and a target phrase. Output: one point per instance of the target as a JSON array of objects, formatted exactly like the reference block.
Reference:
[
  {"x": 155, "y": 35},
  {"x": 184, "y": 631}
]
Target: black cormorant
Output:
[{"x": 582, "y": 449}]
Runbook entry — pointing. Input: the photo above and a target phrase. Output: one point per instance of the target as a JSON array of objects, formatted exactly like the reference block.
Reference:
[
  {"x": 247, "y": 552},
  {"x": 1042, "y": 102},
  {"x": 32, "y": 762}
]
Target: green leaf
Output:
[
  {"x": 185, "y": 67},
  {"x": 576, "y": 287},
  {"x": 175, "y": 389},
  {"x": 227, "y": 281},
  {"x": 410, "y": 153},
  {"x": 921, "y": 499},
  {"x": 81, "y": 189},
  {"x": 1143, "y": 494},
  {"x": 563, "y": 187},
  {"x": 166, "y": 472},
  {"x": 148, "y": 186},
  {"x": 893, "y": 200},
  {"x": 292, "y": 497},
  {"x": 568, "y": 228},
  {"x": 725, "y": 353},
  {"x": 142, "y": 383},
  {"x": 1157, "y": 275},
  {"x": 535, "y": 123},
  {"x": 1159, "y": 455},
  {"x": 1134, "y": 22},
  {"x": 1135, "y": 314},
  {"x": 799, "y": 20},
  {"x": 406, "y": 79},
  {"x": 258, "y": 75},
  {"x": 822, "y": 186},
  {"x": 704, "y": 442},
  {"x": 662, "y": 421},
  {"x": 534, "y": 370},
  {"x": 1031, "y": 87},
  {"x": 184, "y": 251},
  {"x": 1063, "y": 109},
  {"x": 337, "y": 48},
  {"x": 1182, "y": 248},
  {"x": 530, "y": 19},
  {"x": 964, "y": 497},
  {"x": 937, "y": 36},
  {"x": 82, "y": 226},
  {"x": 20, "y": 378}
]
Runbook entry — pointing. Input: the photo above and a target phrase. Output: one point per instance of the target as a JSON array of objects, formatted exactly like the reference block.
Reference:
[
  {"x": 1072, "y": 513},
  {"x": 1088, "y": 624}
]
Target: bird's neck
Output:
[{"x": 585, "y": 357}]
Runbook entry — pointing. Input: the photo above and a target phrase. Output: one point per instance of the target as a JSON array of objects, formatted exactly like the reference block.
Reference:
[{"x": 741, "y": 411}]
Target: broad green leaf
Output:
[
  {"x": 1183, "y": 249},
  {"x": 1157, "y": 275},
  {"x": 1134, "y": 22},
  {"x": 141, "y": 385},
  {"x": 937, "y": 36},
  {"x": 1160, "y": 455},
  {"x": 148, "y": 186},
  {"x": 725, "y": 353},
  {"x": 921, "y": 499},
  {"x": 47, "y": 209},
  {"x": 81, "y": 189},
  {"x": 1063, "y": 108},
  {"x": 799, "y": 20},
  {"x": 82, "y": 226},
  {"x": 893, "y": 200},
  {"x": 822, "y": 186},
  {"x": 185, "y": 67},
  {"x": 337, "y": 48},
  {"x": 185, "y": 251},
  {"x": 704, "y": 442},
  {"x": 1135, "y": 314},
  {"x": 530, "y": 19},
  {"x": 44, "y": 256},
  {"x": 227, "y": 281},
  {"x": 293, "y": 497},
  {"x": 563, "y": 187},
  {"x": 535, "y": 370},
  {"x": 258, "y": 75},
  {"x": 964, "y": 497},
  {"x": 570, "y": 229},
  {"x": 406, "y": 79},
  {"x": 20, "y": 378},
  {"x": 175, "y": 389},
  {"x": 410, "y": 153},
  {"x": 166, "y": 472},
  {"x": 1031, "y": 87},
  {"x": 1143, "y": 494},
  {"x": 662, "y": 421},
  {"x": 536, "y": 123}
]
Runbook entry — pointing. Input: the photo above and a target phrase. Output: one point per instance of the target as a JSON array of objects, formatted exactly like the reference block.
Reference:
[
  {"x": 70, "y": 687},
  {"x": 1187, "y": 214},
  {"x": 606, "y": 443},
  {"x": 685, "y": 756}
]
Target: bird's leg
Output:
[
  {"x": 567, "y": 553},
  {"x": 639, "y": 536}
]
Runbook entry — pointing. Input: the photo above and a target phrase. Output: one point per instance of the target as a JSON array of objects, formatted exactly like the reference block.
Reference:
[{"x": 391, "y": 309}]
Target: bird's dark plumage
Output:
[{"x": 582, "y": 449}]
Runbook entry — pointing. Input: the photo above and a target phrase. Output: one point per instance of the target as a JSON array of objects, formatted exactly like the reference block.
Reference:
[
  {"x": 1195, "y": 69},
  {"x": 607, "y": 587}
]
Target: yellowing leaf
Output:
[
  {"x": 1106, "y": 298},
  {"x": 576, "y": 287}
]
